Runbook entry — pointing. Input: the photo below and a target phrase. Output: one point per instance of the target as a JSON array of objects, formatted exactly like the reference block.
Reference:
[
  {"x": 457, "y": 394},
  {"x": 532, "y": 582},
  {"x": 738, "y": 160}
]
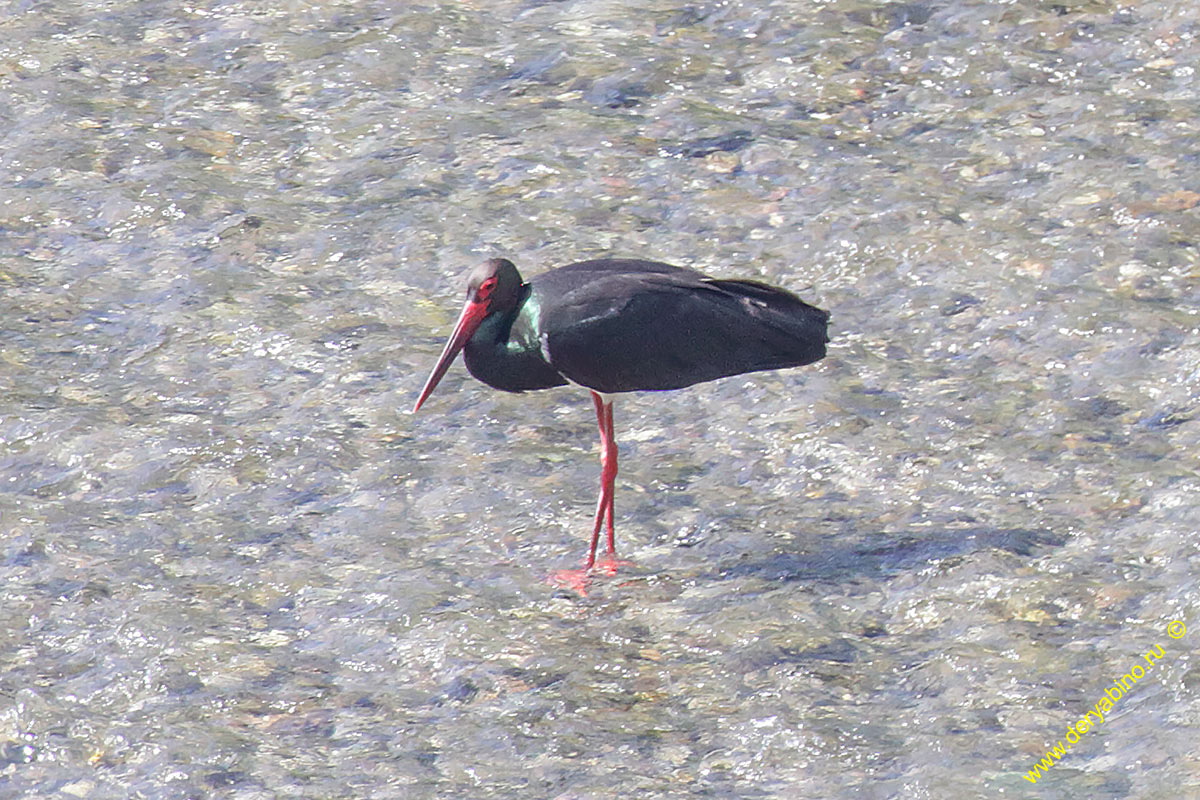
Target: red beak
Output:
[{"x": 468, "y": 322}]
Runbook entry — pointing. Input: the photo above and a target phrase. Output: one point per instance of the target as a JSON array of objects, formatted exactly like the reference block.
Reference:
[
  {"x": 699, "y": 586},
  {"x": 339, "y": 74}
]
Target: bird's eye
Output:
[{"x": 485, "y": 290}]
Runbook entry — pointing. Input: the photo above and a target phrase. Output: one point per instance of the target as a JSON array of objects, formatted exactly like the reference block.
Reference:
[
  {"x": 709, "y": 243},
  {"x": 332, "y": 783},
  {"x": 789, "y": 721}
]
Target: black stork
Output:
[{"x": 622, "y": 325}]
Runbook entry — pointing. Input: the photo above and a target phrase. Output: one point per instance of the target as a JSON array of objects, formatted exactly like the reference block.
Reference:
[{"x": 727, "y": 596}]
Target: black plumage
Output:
[
  {"x": 622, "y": 325},
  {"x": 629, "y": 325}
]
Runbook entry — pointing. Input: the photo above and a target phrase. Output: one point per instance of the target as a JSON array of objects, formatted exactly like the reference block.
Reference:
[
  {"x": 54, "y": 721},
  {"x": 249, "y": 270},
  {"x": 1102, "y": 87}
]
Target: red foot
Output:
[{"x": 578, "y": 580}]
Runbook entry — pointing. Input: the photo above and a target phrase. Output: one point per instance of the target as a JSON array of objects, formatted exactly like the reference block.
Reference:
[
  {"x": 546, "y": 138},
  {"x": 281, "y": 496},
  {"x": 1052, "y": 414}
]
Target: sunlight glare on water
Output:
[{"x": 233, "y": 564}]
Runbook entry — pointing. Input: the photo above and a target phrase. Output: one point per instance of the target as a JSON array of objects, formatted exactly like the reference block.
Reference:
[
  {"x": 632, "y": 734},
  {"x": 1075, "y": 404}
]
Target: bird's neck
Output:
[{"x": 505, "y": 351}]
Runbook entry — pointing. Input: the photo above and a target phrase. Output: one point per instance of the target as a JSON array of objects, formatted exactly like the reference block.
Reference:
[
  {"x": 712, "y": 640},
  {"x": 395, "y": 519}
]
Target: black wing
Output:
[{"x": 667, "y": 329}]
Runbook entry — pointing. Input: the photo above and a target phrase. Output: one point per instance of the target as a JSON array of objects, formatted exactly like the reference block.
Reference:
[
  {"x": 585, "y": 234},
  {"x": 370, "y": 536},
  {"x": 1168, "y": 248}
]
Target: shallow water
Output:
[{"x": 232, "y": 564}]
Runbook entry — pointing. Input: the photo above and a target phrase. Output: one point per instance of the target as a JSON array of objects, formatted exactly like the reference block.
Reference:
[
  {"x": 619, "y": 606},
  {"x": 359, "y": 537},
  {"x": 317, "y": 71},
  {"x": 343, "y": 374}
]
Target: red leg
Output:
[
  {"x": 610, "y": 469},
  {"x": 578, "y": 579},
  {"x": 608, "y": 474}
]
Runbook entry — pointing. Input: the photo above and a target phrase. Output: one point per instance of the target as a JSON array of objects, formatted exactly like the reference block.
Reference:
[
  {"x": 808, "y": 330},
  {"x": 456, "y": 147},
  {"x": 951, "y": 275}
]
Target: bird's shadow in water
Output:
[{"x": 887, "y": 554}]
